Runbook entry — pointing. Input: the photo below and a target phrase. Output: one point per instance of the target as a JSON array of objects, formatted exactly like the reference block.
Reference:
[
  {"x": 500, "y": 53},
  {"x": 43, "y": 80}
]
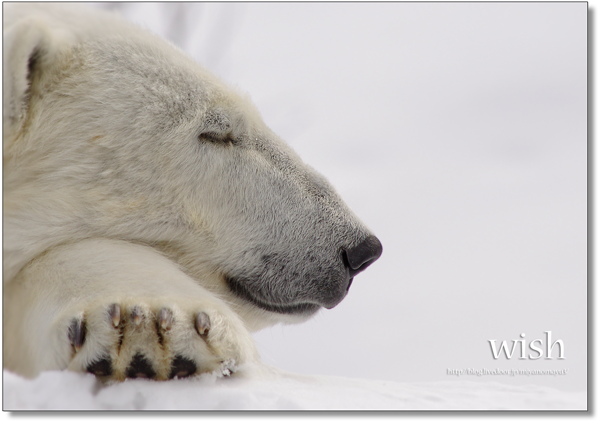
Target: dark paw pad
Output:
[
  {"x": 140, "y": 368},
  {"x": 182, "y": 367},
  {"x": 102, "y": 367}
]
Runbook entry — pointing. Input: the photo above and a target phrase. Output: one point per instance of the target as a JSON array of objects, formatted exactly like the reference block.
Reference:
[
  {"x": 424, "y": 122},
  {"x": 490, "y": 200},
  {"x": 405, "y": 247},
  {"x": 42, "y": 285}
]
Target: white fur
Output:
[{"x": 132, "y": 176}]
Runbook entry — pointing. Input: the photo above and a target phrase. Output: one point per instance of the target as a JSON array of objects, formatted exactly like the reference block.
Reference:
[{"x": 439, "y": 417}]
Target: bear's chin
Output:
[{"x": 304, "y": 309}]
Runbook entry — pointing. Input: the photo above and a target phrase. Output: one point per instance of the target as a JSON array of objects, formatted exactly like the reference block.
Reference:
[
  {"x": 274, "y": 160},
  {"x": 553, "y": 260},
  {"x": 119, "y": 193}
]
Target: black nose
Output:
[{"x": 359, "y": 257}]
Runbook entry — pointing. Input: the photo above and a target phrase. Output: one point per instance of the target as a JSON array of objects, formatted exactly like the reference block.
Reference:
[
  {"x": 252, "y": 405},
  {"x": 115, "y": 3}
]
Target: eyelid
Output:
[
  {"x": 212, "y": 136},
  {"x": 217, "y": 138}
]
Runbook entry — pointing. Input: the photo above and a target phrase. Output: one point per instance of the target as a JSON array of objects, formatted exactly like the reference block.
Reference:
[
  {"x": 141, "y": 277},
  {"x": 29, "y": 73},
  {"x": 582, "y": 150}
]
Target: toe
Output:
[
  {"x": 137, "y": 315},
  {"x": 114, "y": 313},
  {"x": 77, "y": 332},
  {"x": 165, "y": 319},
  {"x": 202, "y": 323}
]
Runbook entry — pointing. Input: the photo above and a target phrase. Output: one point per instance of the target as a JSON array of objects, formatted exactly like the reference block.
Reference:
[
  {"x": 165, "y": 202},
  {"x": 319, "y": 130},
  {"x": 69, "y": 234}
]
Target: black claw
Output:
[
  {"x": 140, "y": 368},
  {"x": 102, "y": 367},
  {"x": 137, "y": 315},
  {"x": 202, "y": 323},
  {"x": 114, "y": 312},
  {"x": 77, "y": 333},
  {"x": 182, "y": 367},
  {"x": 165, "y": 319}
]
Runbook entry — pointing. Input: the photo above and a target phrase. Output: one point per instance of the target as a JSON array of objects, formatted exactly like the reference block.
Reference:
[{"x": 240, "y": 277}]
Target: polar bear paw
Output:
[{"x": 152, "y": 340}]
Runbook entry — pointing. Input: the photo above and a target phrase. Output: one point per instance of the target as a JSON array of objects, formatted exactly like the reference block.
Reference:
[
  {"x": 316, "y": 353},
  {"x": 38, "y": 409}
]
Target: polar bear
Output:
[{"x": 151, "y": 219}]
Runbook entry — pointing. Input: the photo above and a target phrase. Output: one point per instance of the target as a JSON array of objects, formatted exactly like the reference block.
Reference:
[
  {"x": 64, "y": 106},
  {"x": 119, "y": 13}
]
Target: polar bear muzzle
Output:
[{"x": 315, "y": 293}]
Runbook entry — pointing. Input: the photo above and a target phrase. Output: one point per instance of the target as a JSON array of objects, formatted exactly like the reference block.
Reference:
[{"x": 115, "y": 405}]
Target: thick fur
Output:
[{"x": 135, "y": 178}]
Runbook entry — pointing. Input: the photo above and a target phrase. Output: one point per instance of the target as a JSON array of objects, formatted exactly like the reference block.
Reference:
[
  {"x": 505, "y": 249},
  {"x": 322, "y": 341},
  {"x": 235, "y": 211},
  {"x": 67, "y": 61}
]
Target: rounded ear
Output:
[{"x": 24, "y": 44}]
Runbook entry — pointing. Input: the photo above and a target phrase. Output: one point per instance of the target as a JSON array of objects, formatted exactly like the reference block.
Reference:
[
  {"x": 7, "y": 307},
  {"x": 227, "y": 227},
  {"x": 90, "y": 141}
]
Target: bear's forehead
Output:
[
  {"x": 160, "y": 70},
  {"x": 157, "y": 77}
]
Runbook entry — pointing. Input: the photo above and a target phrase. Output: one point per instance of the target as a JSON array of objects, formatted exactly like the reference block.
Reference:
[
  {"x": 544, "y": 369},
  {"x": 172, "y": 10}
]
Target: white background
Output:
[{"x": 457, "y": 132}]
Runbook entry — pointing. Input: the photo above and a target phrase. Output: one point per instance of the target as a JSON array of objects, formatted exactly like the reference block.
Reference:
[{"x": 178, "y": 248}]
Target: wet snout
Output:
[
  {"x": 359, "y": 257},
  {"x": 356, "y": 259}
]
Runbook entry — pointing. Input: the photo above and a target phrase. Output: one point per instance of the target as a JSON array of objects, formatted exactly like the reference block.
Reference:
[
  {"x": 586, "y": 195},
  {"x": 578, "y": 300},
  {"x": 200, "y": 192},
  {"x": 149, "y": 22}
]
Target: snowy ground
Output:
[{"x": 270, "y": 389}]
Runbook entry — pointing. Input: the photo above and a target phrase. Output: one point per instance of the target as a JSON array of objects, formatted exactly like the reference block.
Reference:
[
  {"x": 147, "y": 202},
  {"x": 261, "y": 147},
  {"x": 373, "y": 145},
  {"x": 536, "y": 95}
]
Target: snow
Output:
[{"x": 266, "y": 388}]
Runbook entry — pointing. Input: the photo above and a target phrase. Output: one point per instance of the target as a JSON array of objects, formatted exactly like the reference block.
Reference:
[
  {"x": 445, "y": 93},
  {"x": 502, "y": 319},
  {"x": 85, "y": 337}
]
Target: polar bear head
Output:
[{"x": 112, "y": 132}]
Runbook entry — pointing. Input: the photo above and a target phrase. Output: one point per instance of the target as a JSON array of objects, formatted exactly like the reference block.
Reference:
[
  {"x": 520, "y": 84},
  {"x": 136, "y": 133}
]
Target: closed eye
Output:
[{"x": 217, "y": 138}]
